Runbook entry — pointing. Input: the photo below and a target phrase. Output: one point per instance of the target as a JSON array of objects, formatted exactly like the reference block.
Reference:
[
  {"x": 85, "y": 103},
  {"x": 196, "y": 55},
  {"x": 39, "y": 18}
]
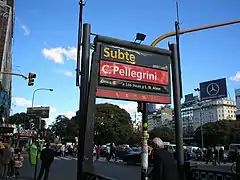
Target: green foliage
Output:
[
  {"x": 49, "y": 135},
  {"x": 165, "y": 133},
  {"x": 112, "y": 124},
  {"x": 23, "y": 120},
  {"x": 135, "y": 138},
  {"x": 20, "y": 119},
  {"x": 219, "y": 133},
  {"x": 60, "y": 125}
]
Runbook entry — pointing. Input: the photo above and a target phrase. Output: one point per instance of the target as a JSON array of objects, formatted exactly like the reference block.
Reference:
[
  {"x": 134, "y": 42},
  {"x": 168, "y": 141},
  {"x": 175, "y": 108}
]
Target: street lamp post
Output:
[{"x": 39, "y": 89}]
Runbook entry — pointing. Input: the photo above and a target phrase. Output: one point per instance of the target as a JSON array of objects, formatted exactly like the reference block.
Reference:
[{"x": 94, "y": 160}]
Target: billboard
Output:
[
  {"x": 188, "y": 98},
  {"x": 213, "y": 89},
  {"x": 42, "y": 112},
  {"x": 133, "y": 75},
  {"x": 237, "y": 95}
]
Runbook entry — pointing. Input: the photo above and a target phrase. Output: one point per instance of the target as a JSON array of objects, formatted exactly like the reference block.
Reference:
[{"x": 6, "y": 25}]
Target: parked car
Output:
[{"x": 134, "y": 156}]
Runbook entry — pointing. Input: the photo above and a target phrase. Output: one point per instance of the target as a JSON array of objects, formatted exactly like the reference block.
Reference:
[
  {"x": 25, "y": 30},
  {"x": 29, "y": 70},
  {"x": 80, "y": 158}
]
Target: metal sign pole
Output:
[
  {"x": 83, "y": 97},
  {"x": 38, "y": 146},
  {"x": 177, "y": 109},
  {"x": 144, "y": 153}
]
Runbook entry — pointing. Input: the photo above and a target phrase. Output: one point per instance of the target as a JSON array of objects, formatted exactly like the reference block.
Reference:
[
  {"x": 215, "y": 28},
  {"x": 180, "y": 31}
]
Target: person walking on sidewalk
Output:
[
  {"x": 6, "y": 158},
  {"x": 47, "y": 157}
]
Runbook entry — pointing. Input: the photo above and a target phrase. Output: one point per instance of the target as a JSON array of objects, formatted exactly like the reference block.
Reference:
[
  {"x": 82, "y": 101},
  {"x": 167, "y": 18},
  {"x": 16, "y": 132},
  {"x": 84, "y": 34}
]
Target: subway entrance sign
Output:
[
  {"x": 132, "y": 74},
  {"x": 42, "y": 112}
]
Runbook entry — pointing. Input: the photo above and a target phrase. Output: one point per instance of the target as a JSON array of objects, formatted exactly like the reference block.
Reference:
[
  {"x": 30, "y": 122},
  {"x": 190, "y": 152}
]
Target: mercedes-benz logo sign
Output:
[{"x": 213, "y": 89}]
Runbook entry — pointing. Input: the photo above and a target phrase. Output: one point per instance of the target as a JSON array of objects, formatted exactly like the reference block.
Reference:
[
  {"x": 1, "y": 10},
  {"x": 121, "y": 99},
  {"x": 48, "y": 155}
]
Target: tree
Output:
[
  {"x": 60, "y": 125},
  {"x": 135, "y": 138},
  {"x": 165, "y": 133},
  {"x": 112, "y": 124},
  {"x": 218, "y": 133},
  {"x": 20, "y": 119},
  {"x": 23, "y": 120},
  {"x": 49, "y": 135}
]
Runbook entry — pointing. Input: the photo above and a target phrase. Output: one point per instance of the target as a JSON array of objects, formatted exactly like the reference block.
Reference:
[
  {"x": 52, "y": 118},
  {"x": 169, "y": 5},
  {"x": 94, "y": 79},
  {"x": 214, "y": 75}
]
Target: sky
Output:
[{"x": 45, "y": 39}]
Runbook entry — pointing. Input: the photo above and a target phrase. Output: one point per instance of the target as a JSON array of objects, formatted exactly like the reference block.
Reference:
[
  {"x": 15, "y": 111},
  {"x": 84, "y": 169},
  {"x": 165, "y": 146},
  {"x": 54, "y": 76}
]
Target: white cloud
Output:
[
  {"x": 68, "y": 73},
  {"x": 25, "y": 29},
  {"x": 60, "y": 54},
  {"x": 69, "y": 114},
  {"x": 236, "y": 77},
  {"x": 22, "y": 102},
  {"x": 52, "y": 110},
  {"x": 130, "y": 107}
]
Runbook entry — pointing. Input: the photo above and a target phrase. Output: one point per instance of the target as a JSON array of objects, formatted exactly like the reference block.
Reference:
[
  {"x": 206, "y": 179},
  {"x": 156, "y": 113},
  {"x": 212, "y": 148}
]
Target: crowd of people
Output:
[{"x": 10, "y": 161}]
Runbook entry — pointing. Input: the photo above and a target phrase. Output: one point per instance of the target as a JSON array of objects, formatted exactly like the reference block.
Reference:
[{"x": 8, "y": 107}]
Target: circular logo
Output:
[{"x": 213, "y": 89}]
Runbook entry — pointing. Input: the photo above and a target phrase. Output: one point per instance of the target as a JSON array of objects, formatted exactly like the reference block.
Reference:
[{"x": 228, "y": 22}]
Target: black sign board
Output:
[
  {"x": 6, "y": 129},
  {"x": 189, "y": 97},
  {"x": 133, "y": 75},
  {"x": 213, "y": 89},
  {"x": 42, "y": 112}
]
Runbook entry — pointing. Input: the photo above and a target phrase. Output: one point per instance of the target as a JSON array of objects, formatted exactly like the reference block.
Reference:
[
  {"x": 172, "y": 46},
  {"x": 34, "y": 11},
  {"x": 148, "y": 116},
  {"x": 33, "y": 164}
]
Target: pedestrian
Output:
[
  {"x": 98, "y": 150},
  {"x": 164, "y": 165},
  {"x": 209, "y": 155},
  {"x": 47, "y": 157},
  {"x": 63, "y": 149},
  {"x": 237, "y": 159},
  {"x": 11, "y": 168},
  {"x": 18, "y": 163},
  {"x": 216, "y": 156},
  {"x": 6, "y": 158},
  {"x": 221, "y": 156},
  {"x": 108, "y": 153}
]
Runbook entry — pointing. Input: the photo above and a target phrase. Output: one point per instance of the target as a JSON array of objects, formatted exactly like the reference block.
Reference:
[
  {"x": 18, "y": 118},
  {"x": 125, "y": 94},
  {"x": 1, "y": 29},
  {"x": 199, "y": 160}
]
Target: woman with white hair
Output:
[{"x": 164, "y": 166}]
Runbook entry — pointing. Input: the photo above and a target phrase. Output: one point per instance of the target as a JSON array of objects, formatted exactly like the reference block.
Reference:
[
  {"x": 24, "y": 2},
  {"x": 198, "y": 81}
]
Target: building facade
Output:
[
  {"x": 6, "y": 36},
  {"x": 161, "y": 118},
  {"x": 214, "y": 110},
  {"x": 237, "y": 96},
  {"x": 195, "y": 113}
]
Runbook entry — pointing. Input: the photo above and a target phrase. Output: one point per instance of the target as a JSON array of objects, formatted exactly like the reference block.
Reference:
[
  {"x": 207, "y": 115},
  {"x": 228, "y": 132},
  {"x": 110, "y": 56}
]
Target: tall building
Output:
[
  {"x": 187, "y": 114},
  {"x": 237, "y": 95},
  {"x": 215, "y": 110},
  {"x": 195, "y": 113},
  {"x": 6, "y": 36},
  {"x": 161, "y": 118}
]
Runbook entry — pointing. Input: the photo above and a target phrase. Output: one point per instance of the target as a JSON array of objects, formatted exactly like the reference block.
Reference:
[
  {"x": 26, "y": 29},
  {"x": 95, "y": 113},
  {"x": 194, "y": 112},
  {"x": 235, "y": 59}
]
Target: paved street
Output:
[{"x": 66, "y": 168}]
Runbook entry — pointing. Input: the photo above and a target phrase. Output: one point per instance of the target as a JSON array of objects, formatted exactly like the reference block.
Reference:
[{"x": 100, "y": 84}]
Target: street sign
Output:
[
  {"x": 27, "y": 133},
  {"x": 134, "y": 75},
  {"x": 6, "y": 130},
  {"x": 42, "y": 112},
  {"x": 213, "y": 89}
]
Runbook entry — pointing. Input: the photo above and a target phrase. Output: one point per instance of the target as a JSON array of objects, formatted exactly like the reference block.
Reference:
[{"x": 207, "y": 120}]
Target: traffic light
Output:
[{"x": 31, "y": 77}]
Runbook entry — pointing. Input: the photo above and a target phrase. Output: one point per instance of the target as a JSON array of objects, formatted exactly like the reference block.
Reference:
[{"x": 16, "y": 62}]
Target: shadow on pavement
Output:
[{"x": 23, "y": 178}]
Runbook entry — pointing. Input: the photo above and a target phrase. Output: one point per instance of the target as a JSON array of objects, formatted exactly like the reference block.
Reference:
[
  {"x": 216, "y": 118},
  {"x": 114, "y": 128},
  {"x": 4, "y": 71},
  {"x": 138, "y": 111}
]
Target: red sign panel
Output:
[
  {"x": 133, "y": 96},
  {"x": 134, "y": 73},
  {"x": 26, "y": 133}
]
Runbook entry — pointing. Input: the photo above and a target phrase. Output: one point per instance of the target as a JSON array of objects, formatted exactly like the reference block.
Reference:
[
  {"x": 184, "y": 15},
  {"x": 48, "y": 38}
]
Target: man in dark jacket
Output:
[
  {"x": 164, "y": 165},
  {"x": 47, "y": 157}
]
